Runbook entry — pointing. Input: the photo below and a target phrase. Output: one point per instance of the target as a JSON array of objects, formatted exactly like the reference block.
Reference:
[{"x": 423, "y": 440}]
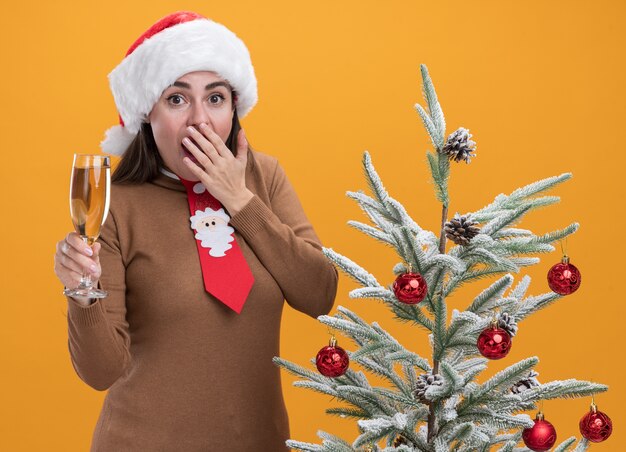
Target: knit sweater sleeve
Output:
[
  {"x": 98, "y": 336},
  {"x": 285, "y": 242}
]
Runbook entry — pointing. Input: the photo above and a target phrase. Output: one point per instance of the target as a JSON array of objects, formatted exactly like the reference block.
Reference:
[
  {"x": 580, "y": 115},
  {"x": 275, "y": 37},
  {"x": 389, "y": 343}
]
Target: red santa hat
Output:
[{"x": 179, "y": 43}]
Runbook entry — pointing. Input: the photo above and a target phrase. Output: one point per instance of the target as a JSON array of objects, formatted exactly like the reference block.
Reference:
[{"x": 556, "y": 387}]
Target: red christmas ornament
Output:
[
  {"x": 494, "y": 342},
  {"x": 332, "y": 360},
  {"x": 540, "y": 436},
  {"x": 564, "y": 278},
  {"x": 595, "y": 425},
  {"x": 410, "y": 288}
]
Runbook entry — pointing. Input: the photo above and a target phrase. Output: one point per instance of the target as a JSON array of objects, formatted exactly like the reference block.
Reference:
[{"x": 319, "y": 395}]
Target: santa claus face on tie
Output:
[
  {"x": 213, "y": 230},
  {"x": 209, "y": 224}
]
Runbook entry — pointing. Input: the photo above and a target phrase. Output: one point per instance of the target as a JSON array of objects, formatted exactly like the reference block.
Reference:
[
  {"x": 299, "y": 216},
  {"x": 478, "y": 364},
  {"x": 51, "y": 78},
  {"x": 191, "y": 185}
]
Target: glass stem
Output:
[{"x": 85, "y": 278}]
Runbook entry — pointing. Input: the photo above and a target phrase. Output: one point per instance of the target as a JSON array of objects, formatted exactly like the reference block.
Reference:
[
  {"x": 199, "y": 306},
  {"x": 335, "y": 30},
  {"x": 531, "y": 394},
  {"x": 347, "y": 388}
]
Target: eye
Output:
[
  {"x": 216, "y": 98},
  {"x": 175, "y": 99}
]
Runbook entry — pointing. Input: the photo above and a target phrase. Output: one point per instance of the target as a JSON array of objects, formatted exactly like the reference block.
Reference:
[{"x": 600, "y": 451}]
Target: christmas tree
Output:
[{"x": 435, "y": 404}]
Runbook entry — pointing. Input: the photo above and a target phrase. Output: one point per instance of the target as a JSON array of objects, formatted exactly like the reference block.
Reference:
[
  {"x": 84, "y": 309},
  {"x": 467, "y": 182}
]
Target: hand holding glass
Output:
[{"x": 89, "y": 206}]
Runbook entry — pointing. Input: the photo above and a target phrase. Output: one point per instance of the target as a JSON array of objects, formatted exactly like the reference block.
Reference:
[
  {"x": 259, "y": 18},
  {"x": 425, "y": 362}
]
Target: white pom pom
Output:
[
  {"x": 117, "y": 140},
  {"x": 199, "y": 188}
]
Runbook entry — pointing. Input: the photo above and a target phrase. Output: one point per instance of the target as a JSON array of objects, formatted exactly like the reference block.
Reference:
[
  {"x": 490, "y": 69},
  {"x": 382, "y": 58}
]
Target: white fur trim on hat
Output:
[
  {"x": 198, "y": 45},
  {"x": 117, "y": 140}
]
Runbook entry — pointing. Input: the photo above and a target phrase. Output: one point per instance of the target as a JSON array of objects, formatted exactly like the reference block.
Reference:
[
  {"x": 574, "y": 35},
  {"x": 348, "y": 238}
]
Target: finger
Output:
[
  {"x": 80, "y": 265},
  {"x": 242, "y": 146},
  {"x": 195, "y": 169},
  {"x": 74, "y": 274},
  {"x": 75, "y": 241},
  {"x": 200, "y": 156},
  {"x": 204, "y": 144},
  {"x": 96, "y": 255},
  {"x": 216, "y": 141},
  {"x": 61, "y": 270},
  {"x": 70, "y": 257},
  {"x": 61, "y": 262},
  {"x": 70, "y": 278}
]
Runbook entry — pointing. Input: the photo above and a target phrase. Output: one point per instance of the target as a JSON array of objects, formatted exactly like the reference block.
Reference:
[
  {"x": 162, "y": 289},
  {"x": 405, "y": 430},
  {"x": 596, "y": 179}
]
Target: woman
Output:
[{"x": 204, "y": 240}]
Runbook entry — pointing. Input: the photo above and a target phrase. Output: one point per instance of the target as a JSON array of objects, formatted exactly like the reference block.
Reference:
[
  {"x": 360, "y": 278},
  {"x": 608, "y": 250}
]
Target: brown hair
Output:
[{"x": 142, "y": 162}]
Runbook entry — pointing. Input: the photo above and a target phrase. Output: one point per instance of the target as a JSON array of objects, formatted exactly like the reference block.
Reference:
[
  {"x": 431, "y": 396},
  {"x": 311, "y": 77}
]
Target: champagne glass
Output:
[{"x": 89, "y": 206}]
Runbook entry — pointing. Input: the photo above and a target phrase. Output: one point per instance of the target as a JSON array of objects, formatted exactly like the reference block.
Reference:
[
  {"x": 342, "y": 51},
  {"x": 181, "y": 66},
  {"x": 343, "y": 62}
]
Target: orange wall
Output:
[{"x": 539, "y": 84}]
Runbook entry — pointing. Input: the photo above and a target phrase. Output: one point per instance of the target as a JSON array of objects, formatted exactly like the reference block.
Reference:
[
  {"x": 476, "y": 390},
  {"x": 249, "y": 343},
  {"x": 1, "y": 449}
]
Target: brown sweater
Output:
[{"x": 183, "y": 371}]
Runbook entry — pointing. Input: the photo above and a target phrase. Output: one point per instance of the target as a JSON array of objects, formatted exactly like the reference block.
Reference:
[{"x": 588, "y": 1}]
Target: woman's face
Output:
[{"x": 195, "y": 98}]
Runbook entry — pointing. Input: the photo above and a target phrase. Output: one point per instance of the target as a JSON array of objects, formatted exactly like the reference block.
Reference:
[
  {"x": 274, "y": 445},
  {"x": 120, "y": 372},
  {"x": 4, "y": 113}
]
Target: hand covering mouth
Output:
[{"x": 188, "y": 153}]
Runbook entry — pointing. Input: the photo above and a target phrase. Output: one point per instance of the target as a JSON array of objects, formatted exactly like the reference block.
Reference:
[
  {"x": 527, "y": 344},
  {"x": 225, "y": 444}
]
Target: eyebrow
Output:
[{"x": 208, "y": 87}]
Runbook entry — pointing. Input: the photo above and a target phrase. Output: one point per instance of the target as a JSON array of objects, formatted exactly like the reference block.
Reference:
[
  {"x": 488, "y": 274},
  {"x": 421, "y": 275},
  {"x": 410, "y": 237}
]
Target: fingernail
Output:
[
  {"x": 88, "y": 251},
  {"x": 93, "y": 267},
  {"x": 190, "y": 129}
]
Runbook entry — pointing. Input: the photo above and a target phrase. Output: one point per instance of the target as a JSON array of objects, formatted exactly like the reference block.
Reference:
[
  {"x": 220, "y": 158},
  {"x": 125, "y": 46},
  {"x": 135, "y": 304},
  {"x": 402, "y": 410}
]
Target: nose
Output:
[{"x": 198, "y": 115}]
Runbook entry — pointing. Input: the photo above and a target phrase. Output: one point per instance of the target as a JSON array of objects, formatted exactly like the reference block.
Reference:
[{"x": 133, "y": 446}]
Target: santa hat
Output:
[{"x": 177, "y": 44}]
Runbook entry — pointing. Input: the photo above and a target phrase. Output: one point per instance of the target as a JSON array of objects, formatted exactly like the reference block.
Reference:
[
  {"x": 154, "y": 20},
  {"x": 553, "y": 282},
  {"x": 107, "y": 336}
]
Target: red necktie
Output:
[{"x": 224, "y": 269}]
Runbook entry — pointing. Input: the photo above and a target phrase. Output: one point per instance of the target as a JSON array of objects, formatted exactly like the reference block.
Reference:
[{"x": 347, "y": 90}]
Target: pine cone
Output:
[
  {"x": 424, "y": 381},
  {"x": 459, "y": 146},
  {"x": 400, "y": 440},
  {"x": 507, "y": 323},
  {"x": 461, "y": 229},
  {"x": 525, "y": 384}
]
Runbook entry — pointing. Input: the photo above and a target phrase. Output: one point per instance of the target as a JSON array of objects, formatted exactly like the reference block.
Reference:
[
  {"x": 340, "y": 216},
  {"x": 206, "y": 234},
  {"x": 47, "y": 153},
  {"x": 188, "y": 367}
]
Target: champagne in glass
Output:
[{"x": 89, "y": 206}]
